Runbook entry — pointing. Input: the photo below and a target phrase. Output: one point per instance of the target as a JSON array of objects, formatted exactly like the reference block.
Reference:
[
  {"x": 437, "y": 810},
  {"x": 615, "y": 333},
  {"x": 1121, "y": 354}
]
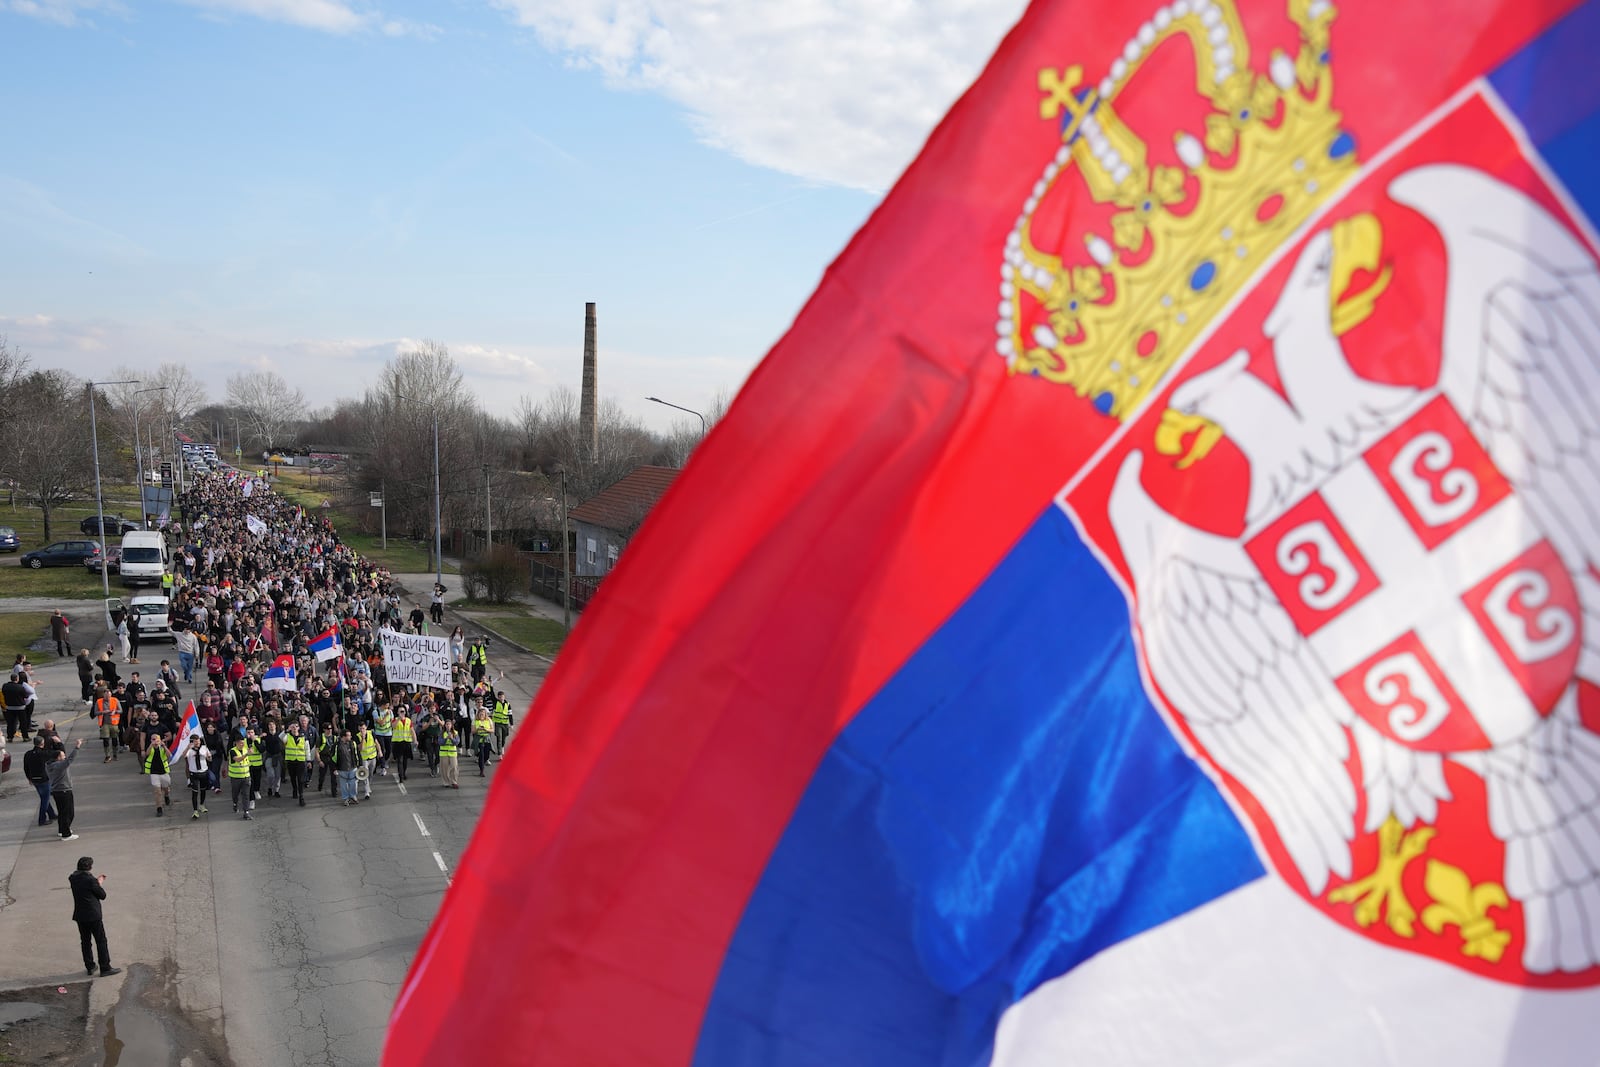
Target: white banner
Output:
[
  {"x": 414, "y": 659},
  {"x": 256, "y": 526},
  {"x": 249, "y": 487}
]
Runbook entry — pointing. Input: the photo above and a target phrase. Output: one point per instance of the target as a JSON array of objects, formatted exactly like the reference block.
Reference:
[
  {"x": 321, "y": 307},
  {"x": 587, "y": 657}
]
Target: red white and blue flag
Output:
[
  {"x": 326, "y": 645},
  {"x": 280, "y": 675},
  {"x": 189, "y": 728},
  {"x": 1157, "y": 615}
]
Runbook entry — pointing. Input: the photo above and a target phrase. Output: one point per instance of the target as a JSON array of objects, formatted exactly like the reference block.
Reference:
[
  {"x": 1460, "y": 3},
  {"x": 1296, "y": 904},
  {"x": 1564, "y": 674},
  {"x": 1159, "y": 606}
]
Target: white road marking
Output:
[
  {"x": 421, "y": 827},
  {"x": 402, "y": 786},
  {"x": 440, "y": 861}
]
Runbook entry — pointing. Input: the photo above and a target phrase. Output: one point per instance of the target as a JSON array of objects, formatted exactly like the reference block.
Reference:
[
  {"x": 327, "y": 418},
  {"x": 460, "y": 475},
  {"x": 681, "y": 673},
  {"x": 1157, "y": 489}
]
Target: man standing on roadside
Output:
[
  {"x": 60, "y": 772},
  {"x": 18, "y": 696},
  {"x": 88, "y": 890},
  {"x": 58, "y": 633},
  {"x": 34, "y": 764}
]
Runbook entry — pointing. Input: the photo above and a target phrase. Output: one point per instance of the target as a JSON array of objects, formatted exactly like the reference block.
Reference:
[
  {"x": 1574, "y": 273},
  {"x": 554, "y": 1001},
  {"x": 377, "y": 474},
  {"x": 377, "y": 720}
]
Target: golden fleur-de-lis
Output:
[
  {"x": 1244, "y": 99},
  {"x": 1129, "y": 226},
  {"x": 1459, "y": 903},
  {"x": 1381, "y": 892},
  {"x": 1070, "y": 296}
]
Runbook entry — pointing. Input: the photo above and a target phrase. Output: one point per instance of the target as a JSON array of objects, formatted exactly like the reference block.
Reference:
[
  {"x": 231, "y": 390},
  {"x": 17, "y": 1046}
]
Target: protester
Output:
[
  {"x": 19, "y": 697},
  {"x": 88, "y": 890},
  {"x": 60, "y": 772},
  {"x": 198, "y": 762},
  {"x": 158, "y": 765},
  {"x": 34, "y": 767}
]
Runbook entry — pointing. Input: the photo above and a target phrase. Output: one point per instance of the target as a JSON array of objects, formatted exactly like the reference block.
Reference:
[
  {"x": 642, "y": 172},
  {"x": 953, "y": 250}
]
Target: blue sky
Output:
[{"x": 310, "y": 185}]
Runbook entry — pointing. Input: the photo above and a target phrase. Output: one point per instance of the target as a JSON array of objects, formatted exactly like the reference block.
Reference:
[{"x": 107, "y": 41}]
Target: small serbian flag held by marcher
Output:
[
  {"x": 280, "y": 675},
  {"x": 189, "y": 728},
  {"x": 327, "y": 645},
  {"x": 1146, "y": 610}
]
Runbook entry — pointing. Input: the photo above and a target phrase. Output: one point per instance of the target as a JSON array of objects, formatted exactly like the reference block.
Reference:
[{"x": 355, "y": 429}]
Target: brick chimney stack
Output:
[{"x": 589, "y": 404}]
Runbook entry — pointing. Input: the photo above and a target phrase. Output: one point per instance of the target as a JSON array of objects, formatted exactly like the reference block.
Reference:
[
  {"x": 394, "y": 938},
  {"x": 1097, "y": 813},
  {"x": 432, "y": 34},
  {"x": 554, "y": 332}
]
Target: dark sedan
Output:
[
  {"x": 113, "y": 560},
  {"x": 116, "y": 525},
  {"x": 61, "y": 554},
  {"x": 9, "y": 541}
]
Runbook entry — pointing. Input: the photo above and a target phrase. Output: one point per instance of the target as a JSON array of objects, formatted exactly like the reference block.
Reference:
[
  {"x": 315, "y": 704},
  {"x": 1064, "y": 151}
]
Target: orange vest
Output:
[{"x": 115, "y": 709}]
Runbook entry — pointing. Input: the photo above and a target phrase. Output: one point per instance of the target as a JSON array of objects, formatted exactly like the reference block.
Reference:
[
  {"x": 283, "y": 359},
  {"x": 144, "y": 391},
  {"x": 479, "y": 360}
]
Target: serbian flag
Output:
[
  {"x": 189, "y": 728},
  {"x": 280, "y": 675},
  {"x": 327, "y": 645},
  {"x": 1163, "y": 626}
]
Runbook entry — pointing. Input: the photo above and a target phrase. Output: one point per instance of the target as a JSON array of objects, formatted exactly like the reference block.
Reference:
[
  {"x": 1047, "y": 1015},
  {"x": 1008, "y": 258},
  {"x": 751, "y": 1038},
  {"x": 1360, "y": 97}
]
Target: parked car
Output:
[
  {"x": 61, "y": 554},
  {"x": 153, "y": 611},
  {"x": 116, "y": 525},
  {"x": 9, "y": 541},
  {"x": 113, "y": 561}
]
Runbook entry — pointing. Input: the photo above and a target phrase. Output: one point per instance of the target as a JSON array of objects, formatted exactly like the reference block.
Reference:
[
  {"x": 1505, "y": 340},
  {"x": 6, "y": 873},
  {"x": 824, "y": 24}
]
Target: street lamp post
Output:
[
  {"x": 438, "y": 528},
  {"x": 488, "y": 515},
  {"x": 99, "y": 501},
  {"x": 691, "y": 411},
  {"x": 138, "y": 460}
]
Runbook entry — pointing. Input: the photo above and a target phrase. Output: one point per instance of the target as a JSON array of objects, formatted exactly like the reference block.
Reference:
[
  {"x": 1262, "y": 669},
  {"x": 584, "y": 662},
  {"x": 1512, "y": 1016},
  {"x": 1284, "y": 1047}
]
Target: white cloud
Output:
[
  {"x": 840, "y": 91},
  {"x": 330, "y": 16},
  {"x": 62, "y": 12}
]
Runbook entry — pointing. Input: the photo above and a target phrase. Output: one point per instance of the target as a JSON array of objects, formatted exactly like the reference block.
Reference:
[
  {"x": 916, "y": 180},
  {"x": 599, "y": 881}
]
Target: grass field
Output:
[
  {"x": 29, "y": 522},
  {"x": 309, "y": 491},
  {"x": 60, "y": 583},
  {"x": 542, "y": 635},
  {"x": 19, "y": 631}
]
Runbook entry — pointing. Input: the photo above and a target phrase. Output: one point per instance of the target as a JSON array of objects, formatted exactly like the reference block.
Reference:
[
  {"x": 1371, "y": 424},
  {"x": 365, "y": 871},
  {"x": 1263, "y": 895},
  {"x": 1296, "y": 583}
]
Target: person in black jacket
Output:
[
  {"x": 33, "y": 766},
  {"x": 88, "y": 890}
]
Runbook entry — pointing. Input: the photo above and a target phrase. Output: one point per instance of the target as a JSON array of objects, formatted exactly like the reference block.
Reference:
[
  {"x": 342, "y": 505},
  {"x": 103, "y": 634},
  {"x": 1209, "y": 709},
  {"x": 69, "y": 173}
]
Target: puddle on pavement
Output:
[{"x": 146, "y": 1026}]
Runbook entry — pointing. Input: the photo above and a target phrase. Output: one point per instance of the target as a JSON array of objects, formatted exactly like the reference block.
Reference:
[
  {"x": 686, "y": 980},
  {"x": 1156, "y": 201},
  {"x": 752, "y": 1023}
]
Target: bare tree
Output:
[
  {"x": 267, "y": 405},
  {"x": 49, "y": 454},
  {"x": 551, "y": 440}
]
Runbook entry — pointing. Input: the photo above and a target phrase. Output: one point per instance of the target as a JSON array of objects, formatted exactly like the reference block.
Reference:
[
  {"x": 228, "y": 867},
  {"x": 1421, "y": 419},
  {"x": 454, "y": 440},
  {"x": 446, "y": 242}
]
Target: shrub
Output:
[{"x": 495, "y": 576}]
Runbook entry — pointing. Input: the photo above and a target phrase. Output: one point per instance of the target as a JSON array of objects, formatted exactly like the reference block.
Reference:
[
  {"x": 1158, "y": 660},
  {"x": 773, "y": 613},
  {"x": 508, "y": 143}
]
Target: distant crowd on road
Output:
[{"x": 256, "y": 581}]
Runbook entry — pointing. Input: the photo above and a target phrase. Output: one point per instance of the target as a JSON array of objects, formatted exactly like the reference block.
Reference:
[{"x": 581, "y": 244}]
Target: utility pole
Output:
[
  {"x": 99, "y": 501},
  {"x": 566, "y": 561},
  {"x": 488, "y": 515},
  {"x": 383, "y": 513}
]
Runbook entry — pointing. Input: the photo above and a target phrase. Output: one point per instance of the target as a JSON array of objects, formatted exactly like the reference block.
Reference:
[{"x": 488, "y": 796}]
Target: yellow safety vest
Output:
[
  {"x": 156, "y": 762},
  {"x": 238, "y": 762},
  {"x": 369, "y": 746},
  {"x": 402, "y": 729},
  {"x": 294, "y": 749},
  {"x": 447, "y": 745},
  {"x": 502, "y": 713},
  {"x": 483, "y": 729},
  {"x": 477, "y": 654},
  {"x": 255, "y": 754}
]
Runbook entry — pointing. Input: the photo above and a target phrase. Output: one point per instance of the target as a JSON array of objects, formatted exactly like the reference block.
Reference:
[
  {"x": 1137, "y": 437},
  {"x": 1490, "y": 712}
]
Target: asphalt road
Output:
[{"x": 281, "y": 940}]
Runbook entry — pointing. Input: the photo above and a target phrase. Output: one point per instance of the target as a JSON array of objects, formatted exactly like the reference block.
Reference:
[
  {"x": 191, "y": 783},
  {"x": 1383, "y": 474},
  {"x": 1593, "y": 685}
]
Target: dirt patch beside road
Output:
[{"x": 43, "y": 1026}]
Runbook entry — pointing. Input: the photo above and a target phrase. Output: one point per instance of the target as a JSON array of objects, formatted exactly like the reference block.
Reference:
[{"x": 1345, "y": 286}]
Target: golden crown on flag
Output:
[{"x": 1108, "y": 312}]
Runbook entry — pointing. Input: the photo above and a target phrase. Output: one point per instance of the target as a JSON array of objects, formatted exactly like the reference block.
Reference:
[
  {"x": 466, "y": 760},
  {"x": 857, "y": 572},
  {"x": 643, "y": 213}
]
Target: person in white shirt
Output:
[{"x": 198, "y": 760}]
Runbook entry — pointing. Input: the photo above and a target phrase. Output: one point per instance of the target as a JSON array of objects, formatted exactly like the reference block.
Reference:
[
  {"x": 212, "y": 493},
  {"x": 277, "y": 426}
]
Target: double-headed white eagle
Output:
[{"x": 1521, "y": 365}]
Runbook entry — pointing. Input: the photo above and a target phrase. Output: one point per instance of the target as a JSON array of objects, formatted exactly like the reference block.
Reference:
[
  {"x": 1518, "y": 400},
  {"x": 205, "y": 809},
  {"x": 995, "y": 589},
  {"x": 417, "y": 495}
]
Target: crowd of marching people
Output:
[{"x": 276, "y": 624}]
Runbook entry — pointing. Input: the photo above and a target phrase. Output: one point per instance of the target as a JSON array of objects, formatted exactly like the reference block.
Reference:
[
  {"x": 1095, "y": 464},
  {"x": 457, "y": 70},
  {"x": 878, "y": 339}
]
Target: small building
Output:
[{"x": 604, "y": 523}]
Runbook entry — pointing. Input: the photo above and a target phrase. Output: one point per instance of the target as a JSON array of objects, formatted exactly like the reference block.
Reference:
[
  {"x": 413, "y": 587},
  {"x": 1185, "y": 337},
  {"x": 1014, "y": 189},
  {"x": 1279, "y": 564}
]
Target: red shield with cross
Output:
[{"x": 1445, "y": 617}]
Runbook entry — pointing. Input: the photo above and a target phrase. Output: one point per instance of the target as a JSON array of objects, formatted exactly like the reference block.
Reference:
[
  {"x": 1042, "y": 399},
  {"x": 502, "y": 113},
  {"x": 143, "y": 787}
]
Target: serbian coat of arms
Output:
[{"x": 1355, "y": 502}]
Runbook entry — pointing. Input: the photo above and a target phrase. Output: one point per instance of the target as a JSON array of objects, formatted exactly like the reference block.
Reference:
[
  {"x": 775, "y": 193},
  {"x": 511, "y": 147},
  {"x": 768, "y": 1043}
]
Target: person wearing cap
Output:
[{"x": 88, "y": 890}]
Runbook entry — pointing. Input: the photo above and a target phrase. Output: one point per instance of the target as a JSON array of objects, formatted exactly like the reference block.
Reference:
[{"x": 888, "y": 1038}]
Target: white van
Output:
[{"x": 144, "y": 557}]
